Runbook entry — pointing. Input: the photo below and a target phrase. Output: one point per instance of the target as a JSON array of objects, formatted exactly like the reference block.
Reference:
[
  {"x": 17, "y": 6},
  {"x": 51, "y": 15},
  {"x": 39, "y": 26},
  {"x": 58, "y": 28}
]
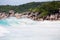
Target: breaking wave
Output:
[{"x": 27, "y": 29}]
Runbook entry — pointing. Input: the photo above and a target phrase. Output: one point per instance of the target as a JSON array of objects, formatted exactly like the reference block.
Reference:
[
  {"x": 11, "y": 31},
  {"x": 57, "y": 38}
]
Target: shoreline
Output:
[{"x": 28, "y": 18}]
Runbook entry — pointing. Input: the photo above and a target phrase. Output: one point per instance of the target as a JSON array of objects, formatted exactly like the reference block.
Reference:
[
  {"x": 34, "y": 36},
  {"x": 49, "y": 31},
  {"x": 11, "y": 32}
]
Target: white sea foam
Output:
[
  {"x": 3, "y": 31},
  {"x": 27, "y": 29}
]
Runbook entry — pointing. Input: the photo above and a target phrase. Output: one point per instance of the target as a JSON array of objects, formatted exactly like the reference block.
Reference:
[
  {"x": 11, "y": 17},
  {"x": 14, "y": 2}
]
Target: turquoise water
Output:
[{"x": 3, "y": 22}]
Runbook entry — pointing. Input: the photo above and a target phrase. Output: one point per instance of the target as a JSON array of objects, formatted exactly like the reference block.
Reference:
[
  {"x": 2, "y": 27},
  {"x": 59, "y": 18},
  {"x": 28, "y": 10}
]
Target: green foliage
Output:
[
  {"x": 44, "y": 7},
  {"x": 19, "y": 8},
  {"x": 36, "y": 10},
  {"x": 50, "y": 6},
  {"x": 47, "y": 8},
  {"x": 43, "y": 14}
]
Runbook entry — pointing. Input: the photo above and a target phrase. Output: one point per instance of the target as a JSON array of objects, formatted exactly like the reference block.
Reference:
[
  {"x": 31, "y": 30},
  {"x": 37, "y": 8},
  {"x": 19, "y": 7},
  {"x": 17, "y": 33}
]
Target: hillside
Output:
[
  {"x": 33, "y": 6},
  {"x": 20, "y": 8},
  {"x": 36, "y": 10}
]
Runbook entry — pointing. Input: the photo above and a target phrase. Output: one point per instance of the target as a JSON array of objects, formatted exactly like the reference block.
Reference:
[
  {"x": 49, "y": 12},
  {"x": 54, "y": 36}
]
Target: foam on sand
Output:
[
  {"x": 3, "y": 31},
  {"x": 27, "y": 29}
]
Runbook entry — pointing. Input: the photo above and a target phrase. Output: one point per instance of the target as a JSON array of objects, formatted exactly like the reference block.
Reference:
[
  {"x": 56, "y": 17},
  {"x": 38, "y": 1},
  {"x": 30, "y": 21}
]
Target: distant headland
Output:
[{"x": 34, "y": 10}]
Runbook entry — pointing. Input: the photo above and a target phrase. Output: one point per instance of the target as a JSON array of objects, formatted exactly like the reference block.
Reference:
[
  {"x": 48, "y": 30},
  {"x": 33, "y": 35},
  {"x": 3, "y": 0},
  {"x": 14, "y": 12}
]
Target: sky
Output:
[{"x": 18, "y": 2}]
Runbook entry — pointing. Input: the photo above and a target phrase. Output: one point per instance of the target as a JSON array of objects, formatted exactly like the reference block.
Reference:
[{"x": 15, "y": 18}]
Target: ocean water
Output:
[{"x": 27, "y": 29}]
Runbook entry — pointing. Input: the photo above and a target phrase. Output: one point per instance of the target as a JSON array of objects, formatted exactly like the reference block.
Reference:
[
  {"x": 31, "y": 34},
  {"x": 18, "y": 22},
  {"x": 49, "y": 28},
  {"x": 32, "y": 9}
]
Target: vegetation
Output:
[
  {"x": 45, "y": 8},
  {"x": 19, "y": 8}
]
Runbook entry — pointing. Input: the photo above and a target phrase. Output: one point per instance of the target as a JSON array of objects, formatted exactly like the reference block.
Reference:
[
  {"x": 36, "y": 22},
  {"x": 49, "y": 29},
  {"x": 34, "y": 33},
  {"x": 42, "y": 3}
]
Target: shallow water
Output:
[{"x": 27, "y": 29}]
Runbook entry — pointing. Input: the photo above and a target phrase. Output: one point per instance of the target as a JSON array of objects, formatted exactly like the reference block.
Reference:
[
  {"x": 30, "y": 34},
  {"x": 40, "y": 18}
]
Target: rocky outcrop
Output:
[{"x": 31, "y": 15}]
